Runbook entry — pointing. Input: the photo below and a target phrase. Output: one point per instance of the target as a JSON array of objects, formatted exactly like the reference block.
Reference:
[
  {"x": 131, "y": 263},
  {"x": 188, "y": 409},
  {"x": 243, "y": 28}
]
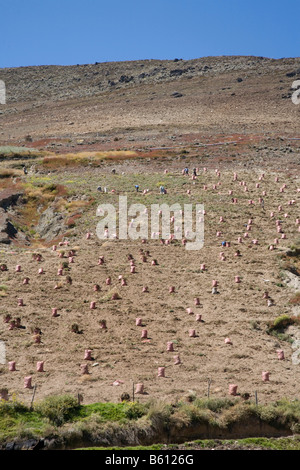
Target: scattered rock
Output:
[
  {"x": 125, "y": 79},
  {"x": 9, "y": 198},
  {"x": 176, "y": 72},
  {"x": 293, "y": 73},
  {"x": 7, "y": 230},
  {"x": 51, "y": 224},
  {"x": 176, "y": 94},
  {"x": 292, "y": 281}
]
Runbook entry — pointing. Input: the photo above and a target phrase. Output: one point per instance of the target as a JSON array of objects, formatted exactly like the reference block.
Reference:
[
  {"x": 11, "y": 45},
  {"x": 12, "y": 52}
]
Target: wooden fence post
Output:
[
  {"x": 208, "y": 387},
  {"x": 34, "y": 389}
]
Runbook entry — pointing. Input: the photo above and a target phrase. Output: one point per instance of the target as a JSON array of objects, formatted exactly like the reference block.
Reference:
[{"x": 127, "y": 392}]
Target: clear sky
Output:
[{"x": 67, "y": 32}]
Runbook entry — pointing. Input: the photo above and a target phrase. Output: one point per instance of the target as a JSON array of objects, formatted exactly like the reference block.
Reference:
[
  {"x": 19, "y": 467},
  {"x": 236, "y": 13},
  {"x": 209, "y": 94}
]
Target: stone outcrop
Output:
[
  {"x": 51, "y": 224},
  {"x": 8, "y": 232},
  {"x": 9, "y": 197}
]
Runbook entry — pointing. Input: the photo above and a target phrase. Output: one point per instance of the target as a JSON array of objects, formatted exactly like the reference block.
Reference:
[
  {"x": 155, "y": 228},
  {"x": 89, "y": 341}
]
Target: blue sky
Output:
[{"x": 67, "y": 32}]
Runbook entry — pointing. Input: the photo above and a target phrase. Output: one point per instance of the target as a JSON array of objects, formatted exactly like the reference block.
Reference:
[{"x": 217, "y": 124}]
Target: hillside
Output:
[
  {"x": 121, "y": 124},
  {"x": 150, "y": 100}
]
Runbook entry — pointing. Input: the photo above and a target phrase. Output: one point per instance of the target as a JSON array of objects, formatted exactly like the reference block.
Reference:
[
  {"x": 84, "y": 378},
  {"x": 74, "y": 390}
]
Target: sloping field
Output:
[
  {"x": 121, "y": 356},
  {"x": 141, "y": 123}
]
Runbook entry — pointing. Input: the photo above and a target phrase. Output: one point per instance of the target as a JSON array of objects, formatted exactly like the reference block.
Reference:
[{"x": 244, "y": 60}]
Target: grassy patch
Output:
[
  {"x": 17, "y": 421},
  {"x": 3, "y": 290},
  {"x": 7, "y": 152},
  {"x": 278, "y": 326},
  {"x": 9, "y": 173},
  {"x": 270, "y": 444},
  {"x": 113, "y": 421},
  {"x": 285, "y": 443},
  {"x": 138, "y": 448},
  {"x": 85, "y": 158},
  {"x": 114, "y": 412}
]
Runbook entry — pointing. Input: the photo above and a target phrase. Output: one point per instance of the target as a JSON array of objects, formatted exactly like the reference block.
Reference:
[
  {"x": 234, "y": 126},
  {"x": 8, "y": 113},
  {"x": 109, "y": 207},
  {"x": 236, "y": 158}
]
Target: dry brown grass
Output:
[
  {"x": 295, "y": 300},
  {"x": 10, "y": 173},
  {"x": 85, "y": 158}
]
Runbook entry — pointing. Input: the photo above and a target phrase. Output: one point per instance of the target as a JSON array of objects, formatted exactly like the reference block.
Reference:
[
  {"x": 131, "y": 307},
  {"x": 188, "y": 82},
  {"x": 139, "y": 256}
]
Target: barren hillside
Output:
[{"x": 150, "y": 98}]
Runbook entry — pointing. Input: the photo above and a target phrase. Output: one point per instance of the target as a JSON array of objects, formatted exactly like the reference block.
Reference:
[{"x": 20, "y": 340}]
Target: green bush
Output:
[
  {"x": 278, "y": 326},
  {"x": 58, "y": 409},
  {"x": 12, "y": 407},
  {"x": 289, "y": 411},
  {"x": 134, "y": 410},
  {"x": 215, "y": 404},
  {"x": 282, "y": 322}
]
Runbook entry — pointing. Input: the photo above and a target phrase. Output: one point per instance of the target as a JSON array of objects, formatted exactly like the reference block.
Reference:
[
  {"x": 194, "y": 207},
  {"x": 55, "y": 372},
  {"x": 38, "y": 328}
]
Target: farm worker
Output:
[
  {"x": 137, "y": 187},
  {"x": 186, "y": 171},
  {"x": 99, "y": 188},
  {"x": 25, "y": 170},
  {"x": 162, "y": 190},
  {"x": 194, "y": 172}
]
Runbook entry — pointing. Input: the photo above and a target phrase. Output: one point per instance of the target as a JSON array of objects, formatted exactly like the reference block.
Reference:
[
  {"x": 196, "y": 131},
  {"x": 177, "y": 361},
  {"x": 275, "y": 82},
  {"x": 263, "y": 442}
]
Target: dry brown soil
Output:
[{"x": 215, "y": 107}]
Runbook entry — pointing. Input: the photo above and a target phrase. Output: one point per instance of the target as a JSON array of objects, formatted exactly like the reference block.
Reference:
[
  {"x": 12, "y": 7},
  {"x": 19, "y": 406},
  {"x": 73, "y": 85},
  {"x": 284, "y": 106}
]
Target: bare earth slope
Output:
[
  {"x": 219, "y": 94},
  {"x": 187, "y": 108}
]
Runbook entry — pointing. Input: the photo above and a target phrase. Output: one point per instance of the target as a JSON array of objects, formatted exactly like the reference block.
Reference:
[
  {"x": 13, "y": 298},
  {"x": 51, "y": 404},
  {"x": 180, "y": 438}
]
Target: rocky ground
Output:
[{"x": 143, "y": 101}]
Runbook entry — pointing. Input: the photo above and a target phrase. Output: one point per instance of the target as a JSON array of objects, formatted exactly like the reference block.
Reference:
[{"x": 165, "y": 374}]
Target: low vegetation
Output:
[
  {"x": 279, "y": 325},
  {"x": 13, "y": 152},
  {"x": 132, "y": 422},
  {"x": 85, "y": 158}
]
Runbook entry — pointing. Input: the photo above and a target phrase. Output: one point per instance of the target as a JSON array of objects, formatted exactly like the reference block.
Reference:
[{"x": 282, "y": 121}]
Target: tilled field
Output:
[{"x": 220, "y": 342}]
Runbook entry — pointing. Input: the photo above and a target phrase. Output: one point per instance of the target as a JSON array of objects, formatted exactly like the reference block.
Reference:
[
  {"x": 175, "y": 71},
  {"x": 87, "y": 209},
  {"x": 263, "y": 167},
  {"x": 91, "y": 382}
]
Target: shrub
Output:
[
  {"x": 281, "y": 322},
  {"x": 134, "y": 410},
  {"x": 159, "y": 414},
  {"x": 58, "y": 409},
  {"x": 12, "y": 407},
  {"x": 196, "y": 415},
  {"x": 278, "y": 326},
  {"x": 238, "y": 414},
  {"x": 3, "y": 291},
  {"x": 215, "y": 404},
  {"x": 281, "y": 414}
]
